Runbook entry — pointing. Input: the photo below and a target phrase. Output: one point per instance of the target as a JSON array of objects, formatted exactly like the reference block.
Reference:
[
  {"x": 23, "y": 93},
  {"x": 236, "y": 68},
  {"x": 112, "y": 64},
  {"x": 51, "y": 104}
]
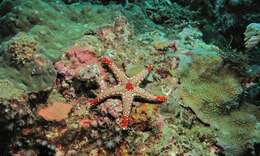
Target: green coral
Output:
[{"x": 9, "y": 90}]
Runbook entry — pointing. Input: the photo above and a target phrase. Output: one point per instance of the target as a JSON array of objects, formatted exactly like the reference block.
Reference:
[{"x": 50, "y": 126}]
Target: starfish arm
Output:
[
  {"x": 140, "y": 77},
  {"x": 140, "y": 92},
  {"x": 127, "y": 103},
  {"x": 127, "y": 99},
  {"x": 101, "y": 82},
  {"x": 114, "y": 91},
  {"x": 119, "y": 75}
]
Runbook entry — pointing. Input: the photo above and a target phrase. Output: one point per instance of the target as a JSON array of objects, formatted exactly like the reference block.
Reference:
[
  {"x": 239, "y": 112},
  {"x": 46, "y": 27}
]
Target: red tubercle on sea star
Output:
[
  {"x": 106, "y": 60},
  {"x": 93, "y": 101},
  {"x": 124, "y": 122},
  {"x": 129, "y": 86},
  {"x": 161, "y": 98}
]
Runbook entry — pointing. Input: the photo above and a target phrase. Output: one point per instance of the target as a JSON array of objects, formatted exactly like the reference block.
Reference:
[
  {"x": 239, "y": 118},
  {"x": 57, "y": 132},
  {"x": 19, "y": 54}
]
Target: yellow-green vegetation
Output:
[
  {"x": 238, "y": 129},
  {"x": 55, "y": 96},
  {"x": 208, "y": 86},
  {"x": 209, "y": 89},
  {"x": 23, "y": 79},
  {"x": 9, "y": 91}
]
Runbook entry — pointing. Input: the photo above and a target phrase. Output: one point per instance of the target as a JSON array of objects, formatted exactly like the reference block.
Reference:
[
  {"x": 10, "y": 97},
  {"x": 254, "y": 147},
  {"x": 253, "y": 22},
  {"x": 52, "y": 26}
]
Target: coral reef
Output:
[{"x": 68, "y": 80}]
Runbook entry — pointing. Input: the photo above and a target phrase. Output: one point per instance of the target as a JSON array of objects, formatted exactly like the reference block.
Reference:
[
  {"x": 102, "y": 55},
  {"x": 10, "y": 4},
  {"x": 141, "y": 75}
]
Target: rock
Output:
[
  {"x": 55, "y": 112},
  {"x": 79, "y": 62}
]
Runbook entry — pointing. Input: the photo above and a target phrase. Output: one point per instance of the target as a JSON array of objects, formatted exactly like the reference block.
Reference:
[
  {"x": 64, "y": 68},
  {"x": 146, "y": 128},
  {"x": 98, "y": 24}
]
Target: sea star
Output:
[{"x": 127, "y": 88}]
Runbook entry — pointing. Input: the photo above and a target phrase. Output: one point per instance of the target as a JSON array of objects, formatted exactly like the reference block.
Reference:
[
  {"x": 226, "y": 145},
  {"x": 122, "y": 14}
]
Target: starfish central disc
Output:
[
  {"x": 124, "y": 122},
  {"x": 129, "y": 86},
  {"x": 161, "y": 98}
]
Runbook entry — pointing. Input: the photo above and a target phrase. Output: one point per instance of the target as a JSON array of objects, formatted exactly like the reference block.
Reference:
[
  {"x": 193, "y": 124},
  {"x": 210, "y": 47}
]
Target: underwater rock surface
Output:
[{"x": 52, "y": 74}]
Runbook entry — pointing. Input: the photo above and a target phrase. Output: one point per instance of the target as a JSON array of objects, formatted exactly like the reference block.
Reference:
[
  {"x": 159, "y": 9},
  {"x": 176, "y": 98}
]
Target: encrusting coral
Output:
[
  {"x": 50, "y": 113},
  {"x": 22, "y": 48},
  {"x": 127, "y": 88},
  {"x": 76, "y": 63},
  {"x": 23, "y": 67}
]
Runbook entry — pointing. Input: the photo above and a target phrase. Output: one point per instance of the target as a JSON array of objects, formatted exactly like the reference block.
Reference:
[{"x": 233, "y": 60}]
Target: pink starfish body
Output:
[{"x": 127, "y": 88}]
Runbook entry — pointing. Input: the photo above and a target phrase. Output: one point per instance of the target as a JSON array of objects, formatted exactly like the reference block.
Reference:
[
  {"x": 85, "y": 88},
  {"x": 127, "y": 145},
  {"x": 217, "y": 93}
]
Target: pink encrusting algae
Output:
[{"x": 76, "y": 60}]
